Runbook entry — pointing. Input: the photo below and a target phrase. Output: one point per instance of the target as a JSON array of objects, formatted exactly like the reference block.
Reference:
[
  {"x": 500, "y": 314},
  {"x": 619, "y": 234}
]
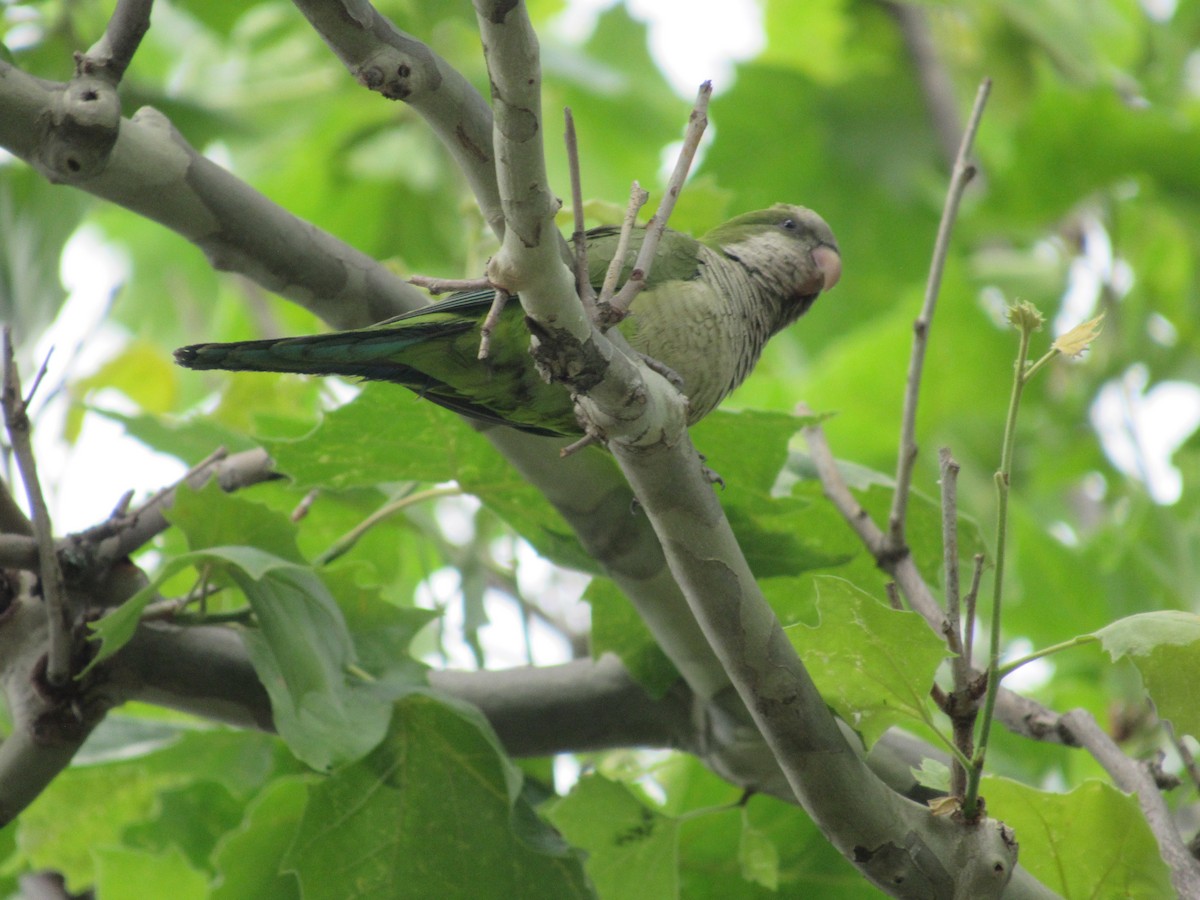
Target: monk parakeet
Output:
[{"x": 707, "y": 309}]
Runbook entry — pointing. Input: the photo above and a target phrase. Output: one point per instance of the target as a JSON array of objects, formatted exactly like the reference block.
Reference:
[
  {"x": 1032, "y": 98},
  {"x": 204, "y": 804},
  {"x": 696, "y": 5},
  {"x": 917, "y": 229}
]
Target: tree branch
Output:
[
  {"x": 48, "y": 724},
  {"x": 110, "y": 56},
  {"x": 155, "y": 173},
  {"x": 959, "y": 179},
  {"x": 53, "y": 590}
]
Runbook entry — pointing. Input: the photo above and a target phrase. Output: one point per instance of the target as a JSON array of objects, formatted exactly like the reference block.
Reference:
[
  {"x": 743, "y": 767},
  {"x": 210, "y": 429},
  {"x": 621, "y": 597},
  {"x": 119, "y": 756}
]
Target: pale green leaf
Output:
[
  {"x": 1165, "y": 647},
  {"x": 632, "y": 850},
  {"x": 1089, "y": 842},
  {"x": 873, "y": 664}
]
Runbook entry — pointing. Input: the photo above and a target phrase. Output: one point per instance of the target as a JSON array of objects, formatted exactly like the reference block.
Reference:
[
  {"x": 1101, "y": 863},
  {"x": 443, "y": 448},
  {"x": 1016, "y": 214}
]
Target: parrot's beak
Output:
[{"x": 829, "y": 262}]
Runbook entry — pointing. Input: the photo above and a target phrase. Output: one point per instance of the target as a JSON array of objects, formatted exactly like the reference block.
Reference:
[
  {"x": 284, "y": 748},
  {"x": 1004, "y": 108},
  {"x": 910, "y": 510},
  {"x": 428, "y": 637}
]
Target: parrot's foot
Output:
[
  {"x": 664, "y": 370},
  {"x": 437, "y": 286}
]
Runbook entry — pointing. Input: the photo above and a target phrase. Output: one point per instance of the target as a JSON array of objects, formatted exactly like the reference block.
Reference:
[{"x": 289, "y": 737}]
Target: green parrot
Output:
[{"x": 705, "y": 313}]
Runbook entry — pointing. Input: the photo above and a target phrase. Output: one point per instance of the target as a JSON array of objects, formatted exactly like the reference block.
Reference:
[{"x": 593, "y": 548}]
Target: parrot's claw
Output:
[
  {"x": 664, "y": 370},
  {"x": 576, "y": 446}
]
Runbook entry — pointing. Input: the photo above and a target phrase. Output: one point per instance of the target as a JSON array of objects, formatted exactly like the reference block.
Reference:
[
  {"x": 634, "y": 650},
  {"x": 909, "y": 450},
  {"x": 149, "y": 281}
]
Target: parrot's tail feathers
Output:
[{"x": 373, "y": 353}]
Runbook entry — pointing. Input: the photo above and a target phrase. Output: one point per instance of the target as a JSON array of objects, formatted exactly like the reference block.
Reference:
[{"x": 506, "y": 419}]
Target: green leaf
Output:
[
  {"x": 252, "y": 535},
  {"x": 302, "y": 652},
  {"x": 1089, "y": 842},
  {"x": 384, "y": 434},
  {"x": 873, "y": 664},
  {"x": 123, "y": 874},
  {"x": 414, "y": 440},
  {"x": 435, "y": 811},
  {"x": 248, "y": 861},
  {"x": 1165, "y": 647},
  {"x": 758, "y": 855},
  {"x": 191, "y": 818},
  {"x": 115, "y": 629},
  {"x": 632, "y": 851},
  {"x": 617, "y": 628}
]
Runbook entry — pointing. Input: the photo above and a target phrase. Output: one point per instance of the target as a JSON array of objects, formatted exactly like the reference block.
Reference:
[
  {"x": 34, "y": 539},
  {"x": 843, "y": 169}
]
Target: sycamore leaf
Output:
[
  {"x": 871, "y": 663},
  {"x": 632, "y": 851},
  {"x": 442, "y": 773},
  {"x": 1165, "y": 647},
  {"x": 1075, "y": 341},
  {"x": 1090, "y": 842}
]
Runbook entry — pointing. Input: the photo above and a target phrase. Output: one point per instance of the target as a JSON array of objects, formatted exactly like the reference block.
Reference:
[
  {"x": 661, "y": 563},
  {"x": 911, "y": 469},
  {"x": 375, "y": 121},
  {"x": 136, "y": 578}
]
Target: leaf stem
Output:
[
  {"x": 347, "y": 541},
  {"x": 1077, "y": 641}
]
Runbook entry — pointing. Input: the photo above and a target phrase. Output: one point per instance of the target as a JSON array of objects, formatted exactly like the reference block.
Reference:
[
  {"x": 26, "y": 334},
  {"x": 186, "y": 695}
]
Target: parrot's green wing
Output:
[
  {"x": 432, "y": 351},
  {"x": 676, "y": 259}
]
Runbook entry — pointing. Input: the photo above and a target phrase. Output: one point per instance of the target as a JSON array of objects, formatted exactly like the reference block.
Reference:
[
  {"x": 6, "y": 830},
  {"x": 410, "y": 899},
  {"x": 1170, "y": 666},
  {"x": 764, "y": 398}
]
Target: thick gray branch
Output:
[{"x": 154, "y": 172}]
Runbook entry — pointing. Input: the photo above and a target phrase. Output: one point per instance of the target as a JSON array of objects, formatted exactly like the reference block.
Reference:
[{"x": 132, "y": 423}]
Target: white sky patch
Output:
[
  {"x": 1141, "y": 427},
  {"x": 692, "y": 40},
  {"x": 82, "y": 483},
  {"x": 1030, "y": 676},
  {"x": 502, "y": 639}
]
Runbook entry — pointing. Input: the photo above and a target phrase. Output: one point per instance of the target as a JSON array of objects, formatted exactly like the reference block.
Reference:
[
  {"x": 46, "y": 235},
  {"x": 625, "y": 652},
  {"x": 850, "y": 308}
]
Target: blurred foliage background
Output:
[{"x": 1088, "y": 200}]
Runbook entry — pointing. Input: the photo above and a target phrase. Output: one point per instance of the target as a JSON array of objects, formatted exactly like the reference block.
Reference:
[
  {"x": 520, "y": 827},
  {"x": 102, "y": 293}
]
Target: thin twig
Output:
[
  {"x": 697, "y": 122},
  {"x": 110, "y": 56},
  {"x": 16, "y": 420},
  {"x": 937, "y": 87},
  {"x": 1185, "y": 753},
  {"x": 637, "y": 199},
  {"x": 949, "y": 467},
  {"x": 893, "y": 595},
  {"x": 305, "y": 504},
  {"x": 490, "y": 321},
  {"x": 970, "y": 601},
  {"x": 583, "y": 283},
  {"x": 961, "y": 177},
  {"x": 437, "y": 286}
]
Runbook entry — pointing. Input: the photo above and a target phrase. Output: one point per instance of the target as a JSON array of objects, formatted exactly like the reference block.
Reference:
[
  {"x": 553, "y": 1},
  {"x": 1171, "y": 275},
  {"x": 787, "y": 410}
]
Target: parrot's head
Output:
[{"x": 788, "y": 247}]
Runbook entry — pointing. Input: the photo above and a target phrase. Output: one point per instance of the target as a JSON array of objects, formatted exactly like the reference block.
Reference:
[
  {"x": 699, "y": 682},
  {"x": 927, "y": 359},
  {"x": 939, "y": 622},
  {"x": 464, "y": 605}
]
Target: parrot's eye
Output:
[{"x": 789, "y": 224}]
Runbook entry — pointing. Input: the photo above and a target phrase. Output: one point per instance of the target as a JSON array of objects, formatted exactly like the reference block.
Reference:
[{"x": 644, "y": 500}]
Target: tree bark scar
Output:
[{"x": 562, "y": 359}]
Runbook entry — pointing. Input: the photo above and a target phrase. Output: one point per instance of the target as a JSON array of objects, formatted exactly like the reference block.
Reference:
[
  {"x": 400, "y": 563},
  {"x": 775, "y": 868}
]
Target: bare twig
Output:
[
  {"x": 490, "y": 321},
  {"x": 1129, "y": 775},
  {"x": 115, "y": 540},
  {"x": 960, "y": 665},
  {"x": 971, "y": 602},
  {"x": 583, "y": 283},
  {"x": 637, "y": 199},
  {"x": 437, "y": 286},
  {"x": 305, "y": 504},
  {"x": 1185, "y": 753},
  {"x": 54, "y": 593},
  {"x": 110, "y": 56},
  {"x": 697, "y": 122},
  {"x": 893, "y": 595},
  {"x": 961, "y": 177}
]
